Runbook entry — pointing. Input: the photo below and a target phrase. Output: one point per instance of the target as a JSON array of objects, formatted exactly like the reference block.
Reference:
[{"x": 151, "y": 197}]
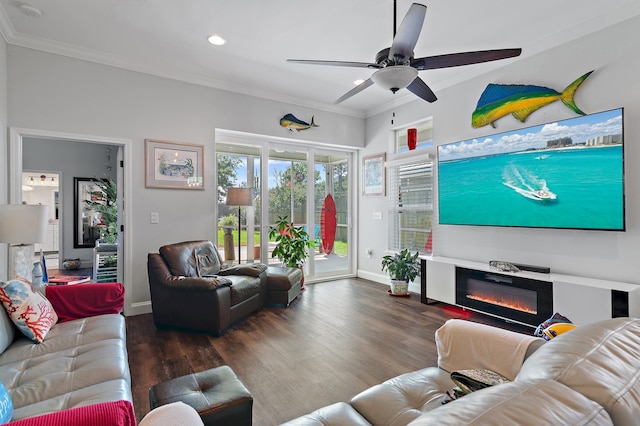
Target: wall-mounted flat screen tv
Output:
[{"x": 566, "y": 174}]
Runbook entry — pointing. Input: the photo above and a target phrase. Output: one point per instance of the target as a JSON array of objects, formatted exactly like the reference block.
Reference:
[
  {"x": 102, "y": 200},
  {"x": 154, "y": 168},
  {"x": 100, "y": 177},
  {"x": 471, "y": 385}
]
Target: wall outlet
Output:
[
  {"x": 155, "y": 218},
  {"x": 377, "y": 215}
]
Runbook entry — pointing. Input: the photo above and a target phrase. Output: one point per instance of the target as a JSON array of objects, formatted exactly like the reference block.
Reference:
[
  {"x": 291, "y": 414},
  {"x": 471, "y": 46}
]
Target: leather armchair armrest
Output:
[
  {"x": 191, "y": 284},
  {"x": 252, "y": 270}
]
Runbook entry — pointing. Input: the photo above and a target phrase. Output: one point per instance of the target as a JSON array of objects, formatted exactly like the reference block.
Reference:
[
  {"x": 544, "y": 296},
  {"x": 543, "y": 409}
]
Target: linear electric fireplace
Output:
[{"x": 524, "y": 300}]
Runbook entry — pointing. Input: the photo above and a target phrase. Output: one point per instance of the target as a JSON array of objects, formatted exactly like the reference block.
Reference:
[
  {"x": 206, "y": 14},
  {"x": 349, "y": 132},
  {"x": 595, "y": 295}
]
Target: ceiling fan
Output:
[{"x": 395, "y": 66}]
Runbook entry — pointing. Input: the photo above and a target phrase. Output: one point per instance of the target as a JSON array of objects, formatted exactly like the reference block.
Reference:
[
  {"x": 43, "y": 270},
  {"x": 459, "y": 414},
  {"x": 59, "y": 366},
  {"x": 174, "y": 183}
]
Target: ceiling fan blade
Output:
[
  {"x": 407, "y": 36},
  {"x": 419, "y": 87},
  {"x": 335, "y": 63},
  {"x": 463, "y": 58},
  {"x": 359, "y": 88}
]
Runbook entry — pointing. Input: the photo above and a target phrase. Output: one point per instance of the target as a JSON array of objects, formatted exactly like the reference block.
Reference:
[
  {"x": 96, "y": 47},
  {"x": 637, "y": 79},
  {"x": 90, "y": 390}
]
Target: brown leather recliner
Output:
[{"x": 190, "y": 289}]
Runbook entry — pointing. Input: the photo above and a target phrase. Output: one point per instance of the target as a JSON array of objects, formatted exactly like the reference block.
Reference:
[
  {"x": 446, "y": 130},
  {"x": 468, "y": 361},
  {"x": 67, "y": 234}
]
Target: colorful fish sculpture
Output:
[
  {"x": 292, "y": 122},
  {"x": 520, "y": 100}
]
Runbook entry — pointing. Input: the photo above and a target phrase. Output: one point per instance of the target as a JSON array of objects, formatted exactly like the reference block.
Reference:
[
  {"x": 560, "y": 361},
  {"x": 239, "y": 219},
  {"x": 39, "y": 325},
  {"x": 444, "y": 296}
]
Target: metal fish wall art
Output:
[
  {"x": 520, "y": 100},
  {"x": 291, "y": 122}
]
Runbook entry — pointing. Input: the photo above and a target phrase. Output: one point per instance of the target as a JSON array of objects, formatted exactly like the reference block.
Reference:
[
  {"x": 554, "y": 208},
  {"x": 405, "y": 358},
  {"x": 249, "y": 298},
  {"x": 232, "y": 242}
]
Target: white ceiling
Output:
[{"x": 169, "y": 38}]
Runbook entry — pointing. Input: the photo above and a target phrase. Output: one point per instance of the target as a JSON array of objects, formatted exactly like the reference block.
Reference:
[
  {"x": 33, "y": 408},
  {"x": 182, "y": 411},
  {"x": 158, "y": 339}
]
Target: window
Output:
[
  {"x": 410, "y": 192},
  {"x": 425, "y": 137}
]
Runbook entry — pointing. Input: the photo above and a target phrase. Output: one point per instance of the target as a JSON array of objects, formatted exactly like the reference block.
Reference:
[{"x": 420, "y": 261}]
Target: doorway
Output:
[
  {"x": 43, "y": 187},
  {"x": 120, "y": 149}
]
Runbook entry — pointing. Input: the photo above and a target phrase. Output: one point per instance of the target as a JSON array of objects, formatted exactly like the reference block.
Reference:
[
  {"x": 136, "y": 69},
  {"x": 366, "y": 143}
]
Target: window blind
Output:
[{"x": 411, "y": 205}]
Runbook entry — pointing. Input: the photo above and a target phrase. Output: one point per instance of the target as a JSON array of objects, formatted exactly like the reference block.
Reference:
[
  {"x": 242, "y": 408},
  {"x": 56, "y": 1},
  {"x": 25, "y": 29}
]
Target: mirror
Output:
[{"x": 88, "y": 222}]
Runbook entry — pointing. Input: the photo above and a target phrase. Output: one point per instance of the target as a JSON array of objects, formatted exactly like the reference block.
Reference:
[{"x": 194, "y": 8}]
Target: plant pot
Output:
[
  {"x": 71, "y": 264},
  {"x": 229, "y": 251},
  {"x": 399, "y": 287}
]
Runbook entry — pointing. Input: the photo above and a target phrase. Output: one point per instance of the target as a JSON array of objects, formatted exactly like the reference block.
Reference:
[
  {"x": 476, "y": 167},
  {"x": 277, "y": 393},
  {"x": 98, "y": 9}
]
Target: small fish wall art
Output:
[
  {"x": 292, "y": 122},
  {"x": 520, "y": 100}
]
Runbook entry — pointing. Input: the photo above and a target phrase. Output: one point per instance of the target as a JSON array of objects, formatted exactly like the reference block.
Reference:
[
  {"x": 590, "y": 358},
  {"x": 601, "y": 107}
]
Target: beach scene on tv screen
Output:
[{"x": 565, "y": 174}]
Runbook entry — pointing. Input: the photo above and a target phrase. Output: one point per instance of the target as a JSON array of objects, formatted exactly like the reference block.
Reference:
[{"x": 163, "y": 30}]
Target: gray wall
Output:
[
  {"x": 55, "y": 93},
  {"x": 71, "y": 159},
  {"x": 597, "y": 254}
]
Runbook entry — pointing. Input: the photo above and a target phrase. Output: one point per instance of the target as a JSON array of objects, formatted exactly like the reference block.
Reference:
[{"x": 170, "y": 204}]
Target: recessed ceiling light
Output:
[
  {"x": 216, "y": 40},
  {"x": 358, "y": 82}
]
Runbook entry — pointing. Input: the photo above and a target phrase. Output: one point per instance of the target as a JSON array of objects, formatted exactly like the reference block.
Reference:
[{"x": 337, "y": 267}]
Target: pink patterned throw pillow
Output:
[{"x": 29, "y": 310}]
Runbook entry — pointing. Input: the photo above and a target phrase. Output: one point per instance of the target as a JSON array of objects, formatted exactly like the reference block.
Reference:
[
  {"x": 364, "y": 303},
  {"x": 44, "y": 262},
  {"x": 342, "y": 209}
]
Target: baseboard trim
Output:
[
  {"x": 414, "y": 286},
  {"x": 138, "y": 308}
]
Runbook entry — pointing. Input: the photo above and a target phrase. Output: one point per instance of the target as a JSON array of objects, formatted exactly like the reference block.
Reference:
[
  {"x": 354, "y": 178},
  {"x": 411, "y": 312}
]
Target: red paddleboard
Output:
[{"x": 328, "y": 224}]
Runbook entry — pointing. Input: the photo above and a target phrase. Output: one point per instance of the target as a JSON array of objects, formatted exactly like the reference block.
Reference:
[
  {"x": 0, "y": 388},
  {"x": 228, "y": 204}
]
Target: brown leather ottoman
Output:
[
  {"x": 284, "y": 284},
  {"x": 218, "y": 396}
]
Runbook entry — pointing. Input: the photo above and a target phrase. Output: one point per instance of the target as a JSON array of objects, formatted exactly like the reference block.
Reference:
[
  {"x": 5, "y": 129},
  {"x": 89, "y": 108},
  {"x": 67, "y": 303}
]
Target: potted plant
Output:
[
  {"x": 403, "y": 268},
  {"x": 107, "y": 206},
  {"x": 228, "y": 223},
  {"x": 292, "y": 243}
]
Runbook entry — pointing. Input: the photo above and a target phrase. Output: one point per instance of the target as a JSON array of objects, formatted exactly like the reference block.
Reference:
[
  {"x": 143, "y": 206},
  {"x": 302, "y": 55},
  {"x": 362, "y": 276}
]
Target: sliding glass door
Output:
[{"x": 310, "y": 187}]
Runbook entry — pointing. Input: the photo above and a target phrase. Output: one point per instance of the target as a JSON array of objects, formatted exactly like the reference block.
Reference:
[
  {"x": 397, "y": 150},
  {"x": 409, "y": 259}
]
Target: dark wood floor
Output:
[{"x": 337, "y": 339}]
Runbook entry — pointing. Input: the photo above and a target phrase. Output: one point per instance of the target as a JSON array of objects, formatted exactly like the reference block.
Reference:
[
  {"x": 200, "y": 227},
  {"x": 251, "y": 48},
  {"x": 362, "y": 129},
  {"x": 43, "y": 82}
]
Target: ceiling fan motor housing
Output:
[{"x": 383, "y": 59}]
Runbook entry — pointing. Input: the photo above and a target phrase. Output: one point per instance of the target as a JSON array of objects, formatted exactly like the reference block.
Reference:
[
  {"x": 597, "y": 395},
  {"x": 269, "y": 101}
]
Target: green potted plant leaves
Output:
[
  {"x": 228, "y": 223},
  {"x": 107, "y": 206},
  {"x": 292, "y": 243},
  {"x": 403, "y": 268}
]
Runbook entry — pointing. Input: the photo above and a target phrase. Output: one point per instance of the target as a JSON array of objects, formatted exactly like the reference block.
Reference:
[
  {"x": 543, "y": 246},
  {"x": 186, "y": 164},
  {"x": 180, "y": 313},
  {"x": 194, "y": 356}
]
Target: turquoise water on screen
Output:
[{"x": 588, "y": 183}]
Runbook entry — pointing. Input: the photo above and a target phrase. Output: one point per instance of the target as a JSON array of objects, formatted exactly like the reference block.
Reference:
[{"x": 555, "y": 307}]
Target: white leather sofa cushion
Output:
[
  {"x": 600, "y": 361},
  {"x": 522, "y": 403},
  {"x": 7, "y": 330},
  {"x": 80, "y": 362},
  {"x": 403, "y": 398},
  {"x": 338, "y": 414}
]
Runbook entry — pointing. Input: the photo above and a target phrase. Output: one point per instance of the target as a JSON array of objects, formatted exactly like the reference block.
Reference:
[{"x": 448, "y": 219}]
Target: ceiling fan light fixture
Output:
[{"x": 394, "y": 77}]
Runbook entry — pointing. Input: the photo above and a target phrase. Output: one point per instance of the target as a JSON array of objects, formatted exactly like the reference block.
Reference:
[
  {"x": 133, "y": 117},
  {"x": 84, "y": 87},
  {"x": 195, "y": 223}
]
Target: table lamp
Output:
[
  {"x": 22, "y": 225},
  {"x": 239, "y": 197}
]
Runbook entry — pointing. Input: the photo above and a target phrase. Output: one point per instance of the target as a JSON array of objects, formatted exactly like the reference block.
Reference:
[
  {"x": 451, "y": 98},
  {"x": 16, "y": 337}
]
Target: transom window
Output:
[{"x": 411, "y": 190}]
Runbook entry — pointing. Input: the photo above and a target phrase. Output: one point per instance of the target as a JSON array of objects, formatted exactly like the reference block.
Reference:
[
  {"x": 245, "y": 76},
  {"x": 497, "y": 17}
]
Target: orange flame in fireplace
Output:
[{"x": 505, "y": 303}]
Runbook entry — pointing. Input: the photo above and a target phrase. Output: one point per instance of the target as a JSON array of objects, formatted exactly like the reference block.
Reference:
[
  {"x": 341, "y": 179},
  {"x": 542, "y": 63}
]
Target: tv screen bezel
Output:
[{"x": 524, "y": 129}]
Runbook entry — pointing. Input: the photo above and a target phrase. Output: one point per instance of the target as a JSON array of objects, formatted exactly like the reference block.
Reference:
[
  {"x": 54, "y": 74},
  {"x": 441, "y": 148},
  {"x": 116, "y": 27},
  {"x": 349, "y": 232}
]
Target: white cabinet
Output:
[
  {"x": 53, "y": 238},
  {"x": 441, "y": 278},
  {"x": 583, "y": 300}
]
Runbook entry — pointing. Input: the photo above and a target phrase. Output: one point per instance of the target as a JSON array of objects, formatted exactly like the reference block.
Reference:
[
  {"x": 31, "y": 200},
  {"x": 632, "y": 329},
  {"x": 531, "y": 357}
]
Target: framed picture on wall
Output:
[
  {"x": 174, "y": 165},
  {"x": 373, "y": 175}
]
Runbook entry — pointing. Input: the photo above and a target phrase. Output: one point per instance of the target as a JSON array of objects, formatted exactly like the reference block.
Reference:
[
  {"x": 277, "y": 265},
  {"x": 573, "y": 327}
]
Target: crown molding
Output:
[{"x": 13, "y": 38}]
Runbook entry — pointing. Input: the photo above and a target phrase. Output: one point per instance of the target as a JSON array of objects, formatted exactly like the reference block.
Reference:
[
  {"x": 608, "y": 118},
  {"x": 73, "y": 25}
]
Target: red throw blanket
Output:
[
  {"x": 85, "y": 300},
  {"x": 117, "y": 413}
]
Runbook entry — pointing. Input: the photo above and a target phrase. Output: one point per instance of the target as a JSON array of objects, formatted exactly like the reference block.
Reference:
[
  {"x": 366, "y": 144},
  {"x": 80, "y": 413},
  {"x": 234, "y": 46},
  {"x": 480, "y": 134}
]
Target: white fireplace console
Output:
[{"x": 582, "y": 300}]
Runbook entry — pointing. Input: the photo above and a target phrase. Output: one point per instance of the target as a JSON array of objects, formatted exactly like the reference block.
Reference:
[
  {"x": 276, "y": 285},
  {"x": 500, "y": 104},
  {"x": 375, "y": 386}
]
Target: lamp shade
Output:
[
  {"x": 23, "y": 223},
  {"x": 239, "y": 197}
]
